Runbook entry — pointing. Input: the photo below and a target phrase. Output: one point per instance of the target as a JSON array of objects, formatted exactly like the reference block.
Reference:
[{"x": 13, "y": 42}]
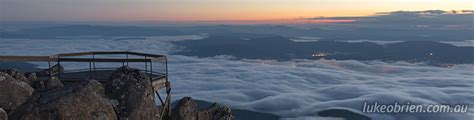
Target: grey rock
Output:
[
  {"x": 133, "y": 91},
  {"x": 238, "y": 114},
  {"x": 13, "y": 92},
  {"x": 53, "y": 83},
  {"x": 15, "y": 74},
  {"x": 83, "y": 102},
  {"x": 187, "y": 109},
  {"x": 3, "y": 114},
  {"x": 38, "y": 84},
  {"x": 47, "y": 84},
  {"x": 31, "y": 76},
  {"x": 216, "y": 112}
]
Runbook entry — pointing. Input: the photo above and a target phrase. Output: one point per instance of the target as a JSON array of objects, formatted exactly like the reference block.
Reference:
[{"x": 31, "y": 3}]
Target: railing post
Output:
[
  {"x": 59, "y": 68},
  {"x": 166, "y": 68},
  {"x": 50, "y": 70},
  {"x": 90, "y": 71},
  {"x": 146, "y": 66},
  {"x": 127, "y": 58},
  {"x": 93, "y": 59},
  {"x": 151, "y": 69}
]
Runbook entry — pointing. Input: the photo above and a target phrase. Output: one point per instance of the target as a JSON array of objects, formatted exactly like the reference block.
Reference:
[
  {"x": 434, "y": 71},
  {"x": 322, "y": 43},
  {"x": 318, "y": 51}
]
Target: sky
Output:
[{"x": 194, "y": 10}]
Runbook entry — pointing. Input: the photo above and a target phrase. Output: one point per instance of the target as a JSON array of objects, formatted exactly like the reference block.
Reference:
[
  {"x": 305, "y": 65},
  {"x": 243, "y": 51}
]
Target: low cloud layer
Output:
[
  {"x": 300, "y": 89},
  {"x": 293, "y": 90}
]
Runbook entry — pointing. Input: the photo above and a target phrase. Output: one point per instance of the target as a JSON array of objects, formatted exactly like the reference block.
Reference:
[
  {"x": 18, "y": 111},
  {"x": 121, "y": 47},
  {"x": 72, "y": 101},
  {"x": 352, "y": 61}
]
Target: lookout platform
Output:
[{"x": 99, "y": 65}]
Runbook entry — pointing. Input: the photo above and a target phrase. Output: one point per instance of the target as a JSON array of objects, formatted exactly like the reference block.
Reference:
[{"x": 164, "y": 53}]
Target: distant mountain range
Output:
[
  {"x": 273, "y": 41},
  {"x": 329, "y": 32},
  {"x": 282, "y": 48},
  {"x": 89, "y": 30}
]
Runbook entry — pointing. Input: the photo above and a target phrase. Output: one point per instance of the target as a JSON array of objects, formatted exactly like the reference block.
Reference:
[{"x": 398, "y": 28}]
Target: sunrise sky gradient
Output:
[{"x": 194, "y": 10}]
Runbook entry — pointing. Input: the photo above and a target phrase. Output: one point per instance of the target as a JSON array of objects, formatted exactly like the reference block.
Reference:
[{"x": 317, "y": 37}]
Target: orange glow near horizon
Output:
[
  {"x": 208, "y": 10},
  {"x": 277, "y": 21},
  {"x": 227, "y": 10}
]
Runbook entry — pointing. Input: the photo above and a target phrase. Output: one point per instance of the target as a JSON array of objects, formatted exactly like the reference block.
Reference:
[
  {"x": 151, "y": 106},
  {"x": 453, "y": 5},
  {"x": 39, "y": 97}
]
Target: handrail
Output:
[
  {"x": 109, "y": 53},
  {"x": 63, "y": 57},
  {"x": 102, "y": 60},
  {"x": 25, "y": 58}
]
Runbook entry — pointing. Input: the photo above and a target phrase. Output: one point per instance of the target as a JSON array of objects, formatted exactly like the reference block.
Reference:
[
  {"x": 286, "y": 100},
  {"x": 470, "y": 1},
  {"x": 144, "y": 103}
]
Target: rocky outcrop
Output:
[
  {"x": 17, "y": 75},
  {"x": 13, "y": 92},
  {"x": 31, "y": 77},
  {"x": 3, "y": 114},
  {"x": 52, "y": 83},
  {"x": 38, "y": 84},
  {"x": 127, "y": 95},
  {"x": 215, "y": 112},
  {"x": 132, "y": 90},
  {"x": 187, "y": 109},
  {"x": 47, "y": 84},
  {"x": 83, "y": 102}
]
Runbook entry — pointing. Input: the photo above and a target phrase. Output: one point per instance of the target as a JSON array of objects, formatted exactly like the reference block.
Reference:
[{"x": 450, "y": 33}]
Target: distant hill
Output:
[
  {"x": 330, "y": 32},
  {"x": 89, "y": 30},
  {"x": 21, "y": 66},
  {"x": 281, "y": 48}
]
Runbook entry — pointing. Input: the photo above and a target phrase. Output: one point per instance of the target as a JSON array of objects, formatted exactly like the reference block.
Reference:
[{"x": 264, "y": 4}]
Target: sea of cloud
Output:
[
  {"x": 295, "y": 89},
  {"x": 465, "y": 43}
]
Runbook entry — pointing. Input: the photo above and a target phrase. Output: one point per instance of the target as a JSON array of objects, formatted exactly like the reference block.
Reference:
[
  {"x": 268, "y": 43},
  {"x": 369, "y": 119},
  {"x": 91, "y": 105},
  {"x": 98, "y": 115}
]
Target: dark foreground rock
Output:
[
  {"x": 82, "y": 102},
  {"x": 128, "y": 95},
  {"x": 187, "y": 109},
  {"x": 238, "y": 114},
  {"x": 47, "y": 84},
  {"x": 13, "y": 92},
  {"x": 3, "y": 114},
  {"x": 53, "y": 83},
  {"x": 17, "y": 75},
  {"x": 132, "y": 90}
]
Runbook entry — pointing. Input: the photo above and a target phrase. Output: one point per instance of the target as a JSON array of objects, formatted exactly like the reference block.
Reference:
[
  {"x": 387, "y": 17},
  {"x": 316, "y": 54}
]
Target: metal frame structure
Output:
[{"x": 159, "y": 80}]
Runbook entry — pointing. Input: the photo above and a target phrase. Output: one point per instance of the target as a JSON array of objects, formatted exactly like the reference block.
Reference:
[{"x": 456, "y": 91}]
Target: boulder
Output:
[
  {"x": 47, "y": 84},
  {"x": 38, "y": 84},
  {"x": 31, "y": 76},
  {"x": 52, "y": 83},
  {"x": 187, "y": 109},
  {"x": 84, "y": 101},
  {"x": 134, "y": 94},
  {"x": 13, "y": 92},
  {"x": 215, "y": 112},
  {"x": 3, "y": 114},
  {"x": 15, "y": 74}
]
